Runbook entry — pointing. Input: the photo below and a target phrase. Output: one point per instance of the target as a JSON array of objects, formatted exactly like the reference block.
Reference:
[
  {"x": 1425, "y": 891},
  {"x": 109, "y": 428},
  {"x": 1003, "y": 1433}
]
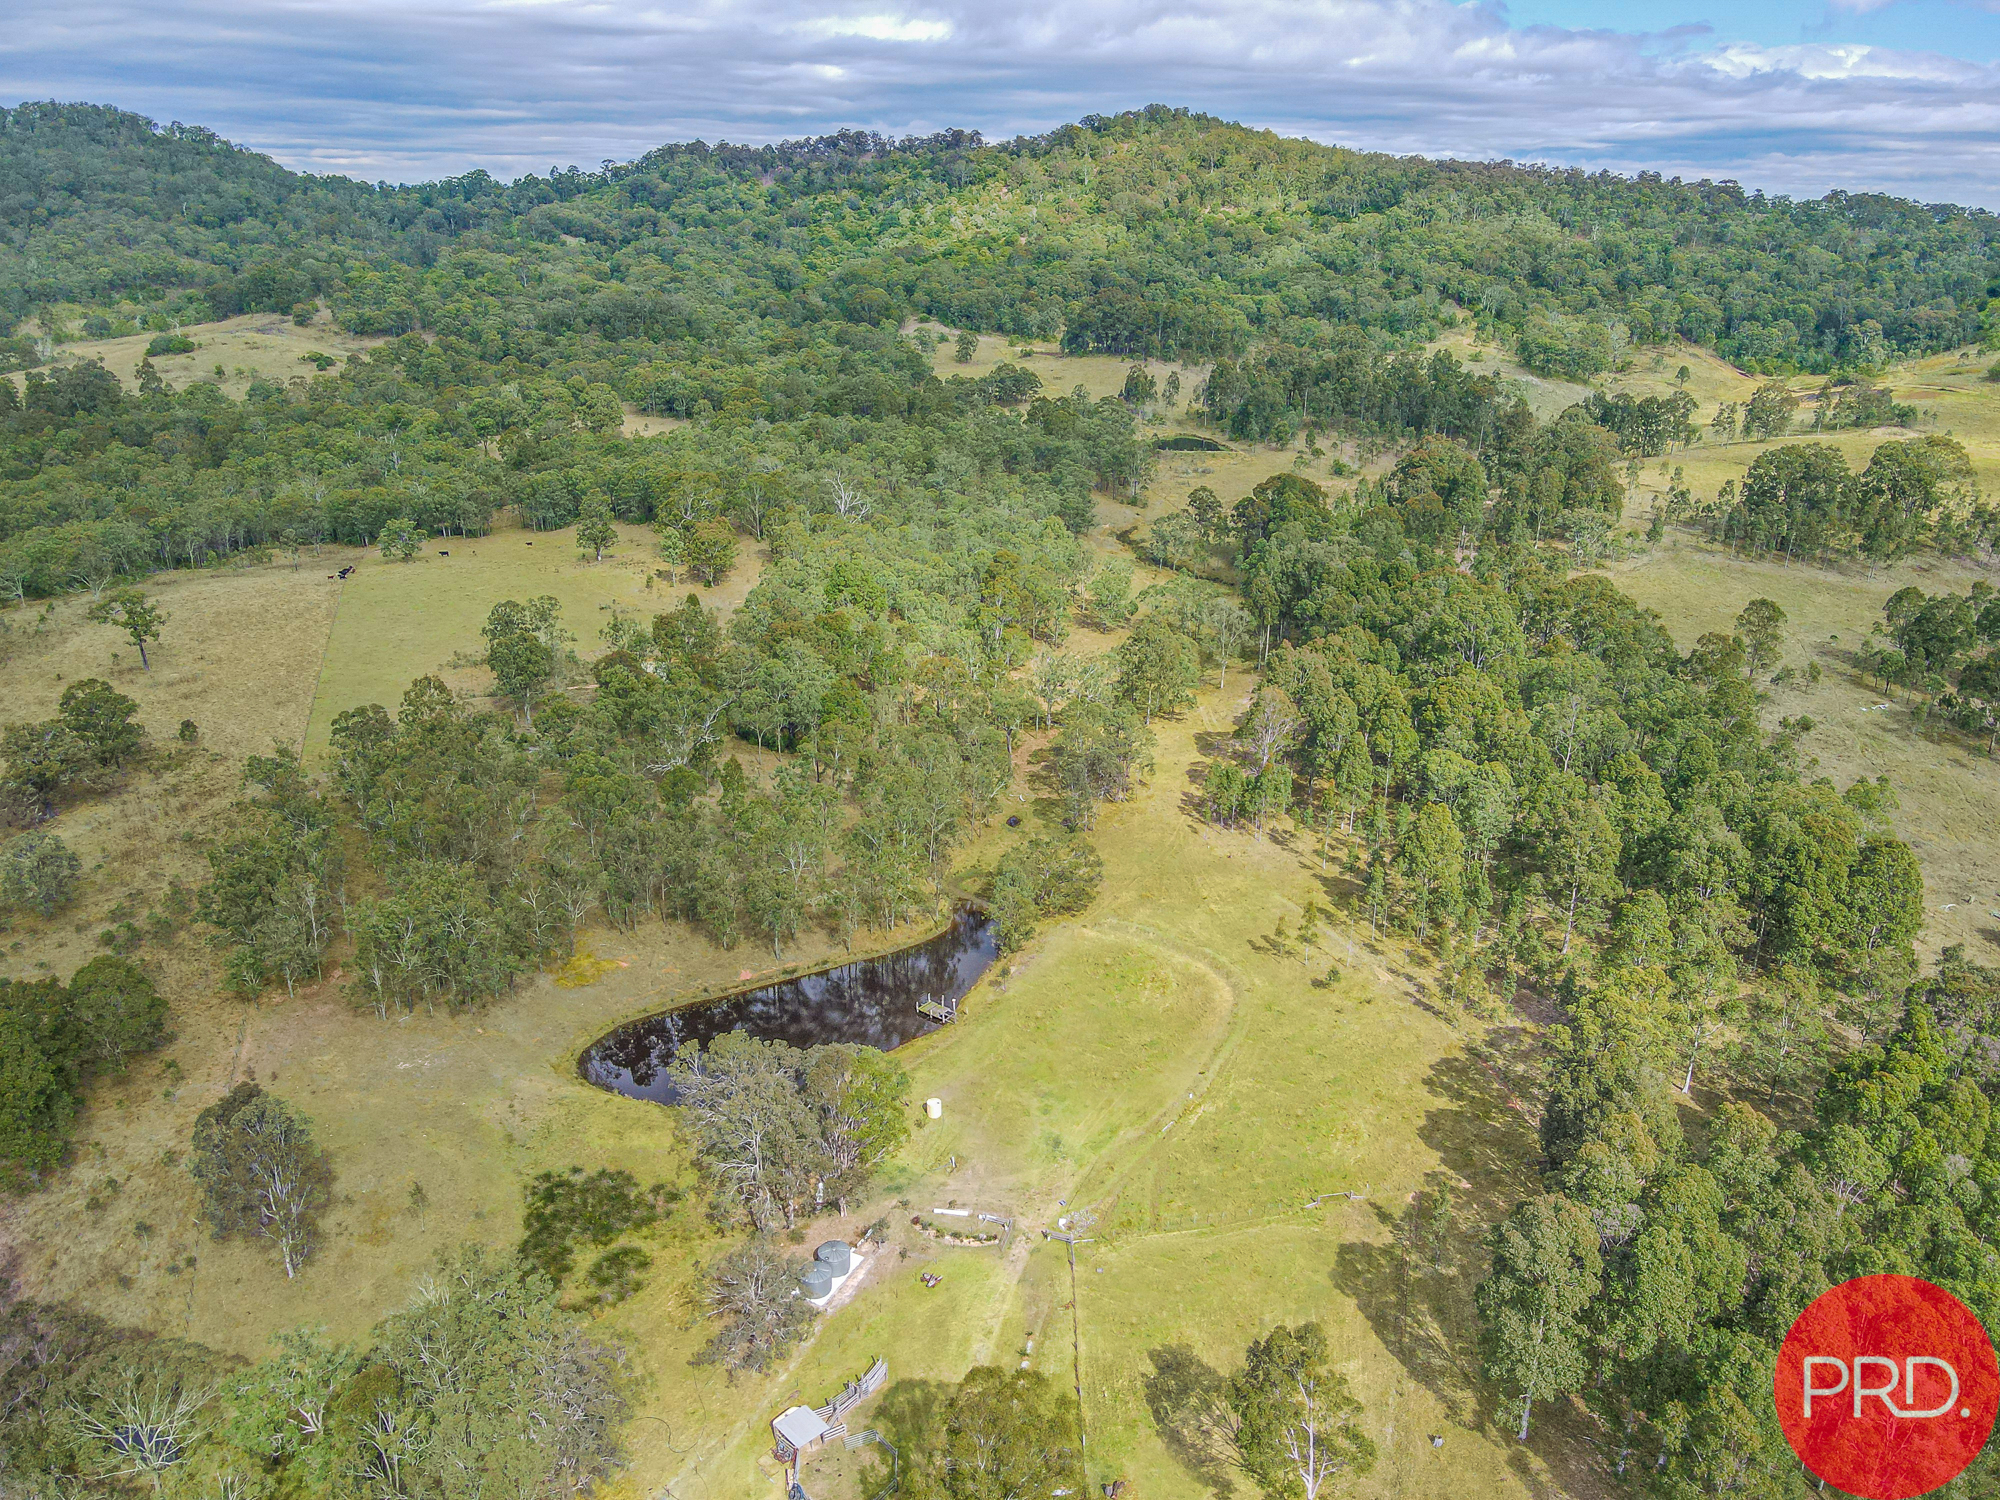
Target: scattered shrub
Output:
[
  {"x": 614, "y": 1275},
  {"x": 101, "y": 717},
  {"x": 39, "y": 873},
  {"x": 565, "y": 1209},
  {"x": 111, "y": 1011},
  {"x": 52, "y": 1038}
]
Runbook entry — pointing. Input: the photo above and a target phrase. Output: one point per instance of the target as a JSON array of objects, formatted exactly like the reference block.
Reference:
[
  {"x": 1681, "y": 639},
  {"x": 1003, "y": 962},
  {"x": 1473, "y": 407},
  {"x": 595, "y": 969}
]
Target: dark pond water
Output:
[{"x": 873, "y": 1002}]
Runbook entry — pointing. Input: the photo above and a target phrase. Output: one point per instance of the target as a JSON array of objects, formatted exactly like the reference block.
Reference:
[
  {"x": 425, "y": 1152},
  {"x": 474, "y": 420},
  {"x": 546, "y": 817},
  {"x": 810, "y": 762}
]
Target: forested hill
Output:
[
  {"x": 1156, "y": 232},
  {"x": 100, "y": 205}
]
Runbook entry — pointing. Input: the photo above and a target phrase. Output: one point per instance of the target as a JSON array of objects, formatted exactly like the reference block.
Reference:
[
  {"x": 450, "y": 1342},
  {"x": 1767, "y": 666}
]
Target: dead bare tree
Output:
[
  {"x": 145, "y": 1424},
  {"x": 848, "y": 501}
]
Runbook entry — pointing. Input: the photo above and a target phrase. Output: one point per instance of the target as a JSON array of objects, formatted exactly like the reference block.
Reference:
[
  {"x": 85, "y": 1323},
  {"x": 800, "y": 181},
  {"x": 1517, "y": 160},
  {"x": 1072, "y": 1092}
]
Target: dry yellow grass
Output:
[
  {"x": 1098, "y": 374},
  {"x": 254, "y": 346},
  {"x": 239, "y": 655},
  {"x": 400, "y": 620},
  {"x": 1949, "y": 390},
  {"x": 646, "y": 424}
]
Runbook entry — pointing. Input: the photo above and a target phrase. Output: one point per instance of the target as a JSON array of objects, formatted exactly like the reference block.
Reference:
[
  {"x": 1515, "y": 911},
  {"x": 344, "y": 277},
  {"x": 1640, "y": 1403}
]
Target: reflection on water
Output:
[{"x": 872, "y": 1002}]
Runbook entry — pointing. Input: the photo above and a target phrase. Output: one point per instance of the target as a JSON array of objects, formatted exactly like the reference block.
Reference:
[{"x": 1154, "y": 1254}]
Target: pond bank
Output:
[{"x": 870, "y": 1001}]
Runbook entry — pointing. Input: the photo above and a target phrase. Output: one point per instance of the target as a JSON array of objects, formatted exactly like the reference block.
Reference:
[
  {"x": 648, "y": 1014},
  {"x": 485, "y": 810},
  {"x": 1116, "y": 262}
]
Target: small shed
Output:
[{"x": 798, "y": 1429}]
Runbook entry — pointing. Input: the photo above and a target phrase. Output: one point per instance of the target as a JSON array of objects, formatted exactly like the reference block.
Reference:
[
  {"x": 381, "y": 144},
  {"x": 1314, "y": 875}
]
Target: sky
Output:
[{"x": 1791, "y": 96}]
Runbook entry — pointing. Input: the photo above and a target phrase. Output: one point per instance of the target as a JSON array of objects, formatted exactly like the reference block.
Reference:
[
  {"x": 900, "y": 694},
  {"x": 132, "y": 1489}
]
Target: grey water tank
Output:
[
  {"x": 835, "y": 1256},
  {"x": 816, "y": 1280}
]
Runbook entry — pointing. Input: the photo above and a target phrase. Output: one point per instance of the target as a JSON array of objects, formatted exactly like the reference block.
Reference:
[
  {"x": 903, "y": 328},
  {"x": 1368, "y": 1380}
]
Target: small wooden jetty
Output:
[{"x": 944, "y": 1012}]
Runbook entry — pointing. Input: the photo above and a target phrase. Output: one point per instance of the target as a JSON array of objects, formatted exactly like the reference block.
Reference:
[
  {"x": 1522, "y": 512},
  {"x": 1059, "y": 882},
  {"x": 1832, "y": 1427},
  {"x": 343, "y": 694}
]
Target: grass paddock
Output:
[{"x": 399, "y": 620}]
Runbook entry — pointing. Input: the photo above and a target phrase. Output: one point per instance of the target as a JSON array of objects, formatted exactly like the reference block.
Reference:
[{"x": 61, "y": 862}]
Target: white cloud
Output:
[
  {"x": 1741, "y": 60},
  {"x": 413, "y": 88},
  {"x": 880, "y": 28}
]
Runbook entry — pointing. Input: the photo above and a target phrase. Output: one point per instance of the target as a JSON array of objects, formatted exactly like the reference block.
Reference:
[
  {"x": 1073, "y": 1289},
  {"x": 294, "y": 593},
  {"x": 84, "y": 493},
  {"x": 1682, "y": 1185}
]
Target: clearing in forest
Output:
[{"x": 1946, "y": 783}]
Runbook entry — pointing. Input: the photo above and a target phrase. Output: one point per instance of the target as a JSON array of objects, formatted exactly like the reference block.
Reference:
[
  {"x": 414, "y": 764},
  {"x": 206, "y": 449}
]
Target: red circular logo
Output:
[{"x": 1887, "y": 1387}]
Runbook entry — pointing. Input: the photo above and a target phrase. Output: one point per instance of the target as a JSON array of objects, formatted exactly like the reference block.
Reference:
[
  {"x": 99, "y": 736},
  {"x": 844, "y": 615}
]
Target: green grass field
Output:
[{"x": 398, "y": 620}]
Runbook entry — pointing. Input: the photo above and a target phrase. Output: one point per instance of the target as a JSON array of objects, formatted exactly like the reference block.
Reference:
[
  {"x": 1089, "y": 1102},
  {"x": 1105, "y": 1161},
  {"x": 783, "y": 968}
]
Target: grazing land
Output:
[
  {"x": 1419, "y": 893},
  {"x": 253, "y": 346},
  {"x": 1211, "y": 1105},
  {"x": 1946, "y": 784},
  {"x": 1146, "y": 1063},
  {"x": 398, "y": 621}
]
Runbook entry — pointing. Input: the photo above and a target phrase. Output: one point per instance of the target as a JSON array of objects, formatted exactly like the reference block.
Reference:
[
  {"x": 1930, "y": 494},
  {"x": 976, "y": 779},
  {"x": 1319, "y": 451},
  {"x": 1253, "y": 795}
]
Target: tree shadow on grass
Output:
[
  {"x": 1214, "y": 744},
  {"x": 1185, "y": 1395},
  {"x": 904, "y": 1415},
  {"x": 1485, "y": 1128},
  {"x": 906, "y": 1411},
  {"x": 1410, "y": 1305},
  {"x": 1344, "y": 889},
  {"x": 1573, "y": 1464},
  {"x": 1416, "y": 1289},
  {"x": 1419, "y": 990},
  {"x": 1045, "y": 799}
]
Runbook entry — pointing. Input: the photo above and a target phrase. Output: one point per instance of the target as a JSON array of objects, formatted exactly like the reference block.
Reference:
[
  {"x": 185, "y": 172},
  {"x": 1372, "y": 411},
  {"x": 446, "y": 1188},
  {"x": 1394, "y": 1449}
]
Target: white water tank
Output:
[{"x": 934, "y": 1108}]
